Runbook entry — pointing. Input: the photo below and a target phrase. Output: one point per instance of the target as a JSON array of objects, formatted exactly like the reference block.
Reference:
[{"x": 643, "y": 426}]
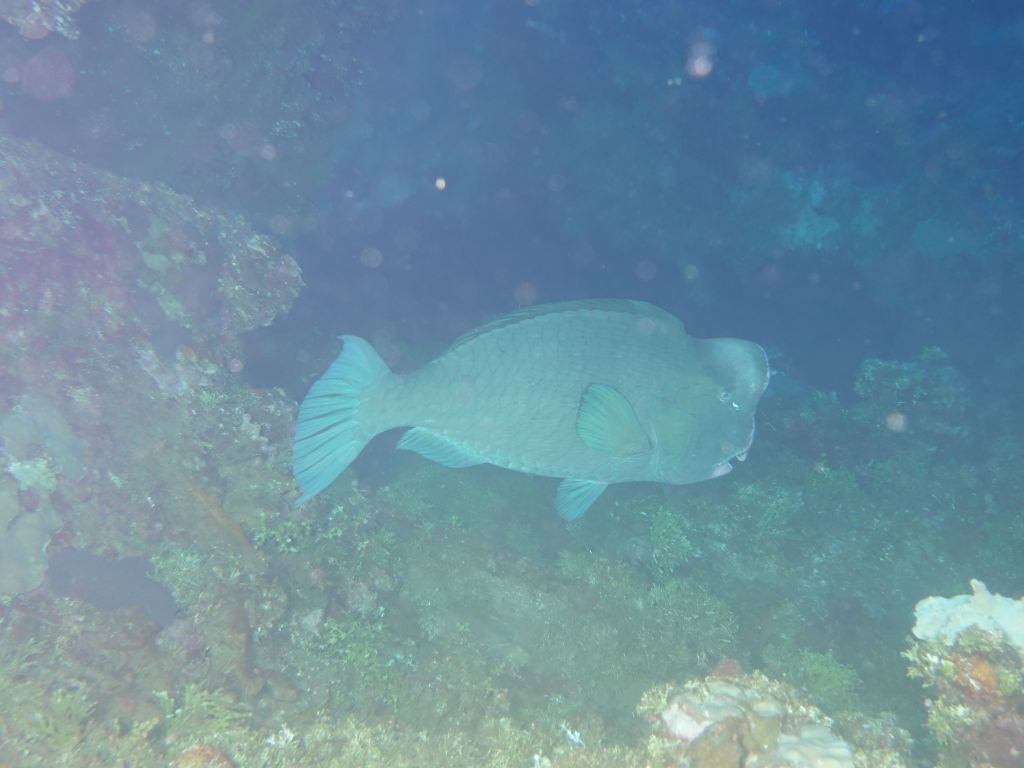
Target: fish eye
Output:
[{"x": 724, "y": 396}]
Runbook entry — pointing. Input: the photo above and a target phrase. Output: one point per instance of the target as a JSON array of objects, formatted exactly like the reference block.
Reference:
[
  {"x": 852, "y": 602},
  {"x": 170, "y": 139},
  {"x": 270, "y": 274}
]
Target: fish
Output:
[{"x": 592, "y": 392}]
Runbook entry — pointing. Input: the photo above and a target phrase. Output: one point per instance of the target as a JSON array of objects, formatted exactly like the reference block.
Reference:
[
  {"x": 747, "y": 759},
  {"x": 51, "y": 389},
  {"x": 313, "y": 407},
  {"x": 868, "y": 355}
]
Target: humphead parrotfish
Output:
[{"x": 593, "y": 392}]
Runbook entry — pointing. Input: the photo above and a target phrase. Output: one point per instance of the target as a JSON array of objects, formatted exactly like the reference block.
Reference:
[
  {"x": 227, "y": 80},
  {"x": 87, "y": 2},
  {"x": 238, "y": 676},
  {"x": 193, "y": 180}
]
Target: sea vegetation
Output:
[{"x": 832, "y": 686}]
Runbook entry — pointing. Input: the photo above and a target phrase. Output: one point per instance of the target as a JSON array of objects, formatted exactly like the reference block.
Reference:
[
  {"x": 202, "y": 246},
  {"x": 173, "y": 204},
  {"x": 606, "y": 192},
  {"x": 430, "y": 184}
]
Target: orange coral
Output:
[{"x": 983, "y": 674}]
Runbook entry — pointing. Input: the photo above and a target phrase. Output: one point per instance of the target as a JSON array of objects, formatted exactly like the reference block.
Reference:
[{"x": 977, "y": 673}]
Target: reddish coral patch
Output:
[{"x": 202, "y": 756}]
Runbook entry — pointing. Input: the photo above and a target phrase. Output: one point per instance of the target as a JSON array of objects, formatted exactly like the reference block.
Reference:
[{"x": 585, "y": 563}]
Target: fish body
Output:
[{"x": 594, "y": 392}]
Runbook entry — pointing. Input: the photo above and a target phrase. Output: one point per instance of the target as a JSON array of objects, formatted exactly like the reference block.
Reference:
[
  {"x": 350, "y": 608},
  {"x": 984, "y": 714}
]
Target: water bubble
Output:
[
  {"x": 700, "y": 59},
  {"x": 556, "y": 182},
  {"x": 137, "y": 25},
  {"x": 646, "y": 270},
  {"x": 525, "y": 293},
  {"x": 203, "y": 15},
  {"x": 48, "y": 75},
  {"x": 699, "y": 66},
  {"x": 371, "y": 257},
  {"x": 280, "y": 224},
  {"x": 896, "y": 422},
  {"x": 465, "y": 73},
  {"x": 33, "y": 27}
]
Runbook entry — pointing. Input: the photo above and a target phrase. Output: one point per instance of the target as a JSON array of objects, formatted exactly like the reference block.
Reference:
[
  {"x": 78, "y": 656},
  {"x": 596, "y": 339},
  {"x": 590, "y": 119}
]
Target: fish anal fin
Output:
[
  {"x": 606, "y": 422},
  {"x": 433, "y": 446},
  {"x": 574, "y": 497}
]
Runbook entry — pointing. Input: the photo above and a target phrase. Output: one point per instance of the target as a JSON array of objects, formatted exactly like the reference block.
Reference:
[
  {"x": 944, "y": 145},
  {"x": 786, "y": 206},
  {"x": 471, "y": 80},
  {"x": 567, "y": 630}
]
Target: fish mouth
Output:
[
  {"x": 732, "y": 451},
  {"x": 725, "y": 467}
]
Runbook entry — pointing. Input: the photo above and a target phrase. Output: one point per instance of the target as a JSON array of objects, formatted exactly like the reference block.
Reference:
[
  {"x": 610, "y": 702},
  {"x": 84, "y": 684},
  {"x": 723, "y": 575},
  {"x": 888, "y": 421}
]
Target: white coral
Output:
[
  {"x": 814, "y": 747},
  {"x": 941, "y": 618}
]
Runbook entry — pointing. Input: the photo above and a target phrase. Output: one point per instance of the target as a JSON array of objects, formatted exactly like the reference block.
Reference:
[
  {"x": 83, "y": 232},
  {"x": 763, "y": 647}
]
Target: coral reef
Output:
[
  {"x": 945, "y": 619},
  {"x": 968, "y": 651},
  {"x": 123, "y": 304},
  {"x": 126, "y": 435},
  {"x": 741, "y": 721}
]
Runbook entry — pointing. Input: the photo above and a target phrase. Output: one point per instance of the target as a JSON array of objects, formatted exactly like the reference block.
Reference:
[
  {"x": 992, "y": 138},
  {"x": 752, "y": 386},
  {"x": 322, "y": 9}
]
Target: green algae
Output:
[
  {"x": 671, "y": 547},
  {"x": 34, "y": 474},
  {"x": 200, "y": 715},
  {"x": 185, "y": 572},
  {"x": 49, "y": 722},
  {"x": 831, "y": 685}
]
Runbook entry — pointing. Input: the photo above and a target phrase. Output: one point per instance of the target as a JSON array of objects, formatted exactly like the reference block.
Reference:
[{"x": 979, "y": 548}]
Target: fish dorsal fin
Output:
[
  {"x": 625, "y": 306},
  {"x": 574, "y": 497},
  {"x": 433, "y": 446},
  {"x": 606, "y": 422}
]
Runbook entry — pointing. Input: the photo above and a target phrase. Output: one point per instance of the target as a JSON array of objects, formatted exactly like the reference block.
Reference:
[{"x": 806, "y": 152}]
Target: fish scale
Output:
[
  {"x": 515, "y": 391},
  {"x": 595, "y": 392}
]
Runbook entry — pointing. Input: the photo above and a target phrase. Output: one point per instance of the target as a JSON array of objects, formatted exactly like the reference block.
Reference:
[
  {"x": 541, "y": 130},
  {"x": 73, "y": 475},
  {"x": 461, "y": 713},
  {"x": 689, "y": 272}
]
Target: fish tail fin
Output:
[{"x": 331, "y": 429}]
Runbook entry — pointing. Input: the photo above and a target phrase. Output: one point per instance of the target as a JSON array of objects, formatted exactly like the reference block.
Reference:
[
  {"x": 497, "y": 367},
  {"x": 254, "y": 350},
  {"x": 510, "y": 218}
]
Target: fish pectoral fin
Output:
[
  {"x": 574, "y": 497},
  {"x": 433, "y": 446},
  {"x": 606, "y": 422}
]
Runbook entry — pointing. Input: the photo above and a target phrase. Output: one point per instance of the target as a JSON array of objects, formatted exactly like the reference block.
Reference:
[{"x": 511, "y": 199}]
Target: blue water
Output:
[{"x": 836, "y": 181}]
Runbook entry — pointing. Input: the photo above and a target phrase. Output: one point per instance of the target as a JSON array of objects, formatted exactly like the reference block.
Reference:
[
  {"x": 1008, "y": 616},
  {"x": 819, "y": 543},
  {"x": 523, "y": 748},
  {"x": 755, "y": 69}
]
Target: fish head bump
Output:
[{"x": 711, "y": 421}]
